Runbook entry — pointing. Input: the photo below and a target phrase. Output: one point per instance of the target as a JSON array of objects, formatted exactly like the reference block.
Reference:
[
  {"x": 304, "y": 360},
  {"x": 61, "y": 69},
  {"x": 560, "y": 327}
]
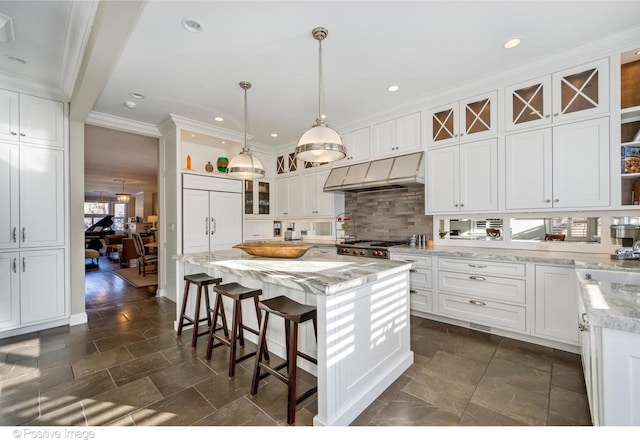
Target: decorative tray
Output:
[{"x": 274, "y": 250}]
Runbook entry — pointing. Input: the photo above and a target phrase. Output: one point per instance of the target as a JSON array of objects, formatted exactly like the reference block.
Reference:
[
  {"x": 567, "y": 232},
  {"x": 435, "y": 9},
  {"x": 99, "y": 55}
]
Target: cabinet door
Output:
[
  {"x": 408, "y": 134},
  {"x": 442, "y": 124},
  {"x": 582, "y": 91},
  {"x": 326, "y": 200},
  {"x": 282, "y": 197},
  {"x": 9, "y": 196},
  {"x": 195, "y": 221},
  {"x": 581, "y": 164},
  {"x": 528, "y": 104},
  {"x": 309, "y": 198},
  {"x": 257, "y": 197},
  {"x": 42, "y": 199},
  {"x": 556, "y": 311},
  {"x": 528, "y": 170},
  {"x": 41, "y": 285},
  {"x": 357, "y": 145},
  {"x": 225, "y": 221},
  {"x": 9, "y": 290},
  {"x": 478, "y": 117},
  {"x": 443, "y": 181},
  {"x": 384, "y": 138},
  {"x": 41, "y": 121},
  {"x": 9, "y": 115},
  {"x": 479, "y": 176}
]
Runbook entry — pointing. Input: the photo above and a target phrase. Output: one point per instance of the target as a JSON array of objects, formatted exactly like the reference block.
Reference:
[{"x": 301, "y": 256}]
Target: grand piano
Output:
[{"x": 94, "y": 234}]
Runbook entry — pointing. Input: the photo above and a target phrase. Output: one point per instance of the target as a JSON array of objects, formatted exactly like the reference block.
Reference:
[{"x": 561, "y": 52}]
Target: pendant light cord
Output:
[
  {"x": 320, "y": 119},
  {"x": 244, "y": 147}
]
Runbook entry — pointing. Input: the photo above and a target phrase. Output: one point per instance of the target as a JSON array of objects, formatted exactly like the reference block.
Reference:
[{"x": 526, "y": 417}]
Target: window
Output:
[{"x": 94, "y": 212}]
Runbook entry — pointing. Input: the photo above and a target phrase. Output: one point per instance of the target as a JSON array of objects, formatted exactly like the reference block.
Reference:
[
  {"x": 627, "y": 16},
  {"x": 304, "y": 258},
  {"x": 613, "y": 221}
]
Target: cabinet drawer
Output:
[
  {"x": 489, "y": 313},
  {"x": 421, "y": 278},
  {"x": 418, "y": 261},
  {"x": 480, "y": 266},
  {"x": 421, "y": 300},
  {"x": 483, "y": 286}
]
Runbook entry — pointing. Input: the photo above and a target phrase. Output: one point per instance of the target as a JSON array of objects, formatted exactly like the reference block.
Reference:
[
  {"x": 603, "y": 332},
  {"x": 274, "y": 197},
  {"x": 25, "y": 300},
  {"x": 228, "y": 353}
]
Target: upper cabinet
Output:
[
  {"x": 575, "y": 93},
  {"x": 286, "y": 163},
  {"x": 28, "y": 119},
  {"x": 397, "y": 136},
  {"x": 465, "y": 120},
  {"x": 357, "y": 144},
  {"x": 257, "y": 197}
]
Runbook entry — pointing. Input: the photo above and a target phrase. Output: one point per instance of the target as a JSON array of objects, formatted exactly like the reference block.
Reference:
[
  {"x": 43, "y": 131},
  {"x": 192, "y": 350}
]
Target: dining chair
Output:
[{"x": 144, "y": 259}]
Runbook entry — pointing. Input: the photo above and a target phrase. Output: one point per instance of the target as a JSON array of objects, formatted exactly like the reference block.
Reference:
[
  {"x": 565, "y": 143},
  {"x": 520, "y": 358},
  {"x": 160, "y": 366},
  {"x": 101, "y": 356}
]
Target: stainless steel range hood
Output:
[{"x": 394, "y": 172}]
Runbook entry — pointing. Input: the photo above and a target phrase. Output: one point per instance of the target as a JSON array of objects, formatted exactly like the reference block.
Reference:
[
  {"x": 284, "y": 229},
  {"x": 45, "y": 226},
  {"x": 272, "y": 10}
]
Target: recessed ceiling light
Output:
[
  {"x": 274, "y": 135},
  {"x": 637, "y": 52},
  {"x": 223, "y": 142},
  {"x": 15, "y": 59},
  {"x": 512, "y": 43},
  {"x": 393, "y": 88},
  {"x": 191, "y": 25},
  {"x": 218, "y": 118},
  {"x": 130, "y": 104},
  {"x": 136, "y": 95},
  {"x": 193, "y": 135}
]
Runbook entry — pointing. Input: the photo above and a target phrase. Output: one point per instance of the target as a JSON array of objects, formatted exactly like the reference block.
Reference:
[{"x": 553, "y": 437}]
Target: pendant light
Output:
[
  {"x": 244, "y": 165},
  {"x": 122, "y": 197},
  {"x": 320, "y": 143},
  {"x": 100, "y": 203}
]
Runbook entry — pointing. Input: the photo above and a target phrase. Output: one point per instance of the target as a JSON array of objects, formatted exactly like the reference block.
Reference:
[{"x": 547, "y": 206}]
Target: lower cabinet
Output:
[
  {"x": 258, "y": 230},
  {"x": 421, "y": 281},
  {"x": 556, "y": 304},
  {"x": 31, "y": 287}
]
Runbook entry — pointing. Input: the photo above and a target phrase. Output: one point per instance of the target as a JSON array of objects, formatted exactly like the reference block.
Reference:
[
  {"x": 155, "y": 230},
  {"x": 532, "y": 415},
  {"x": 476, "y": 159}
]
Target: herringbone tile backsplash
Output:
[{"x": 389, "y": 215}]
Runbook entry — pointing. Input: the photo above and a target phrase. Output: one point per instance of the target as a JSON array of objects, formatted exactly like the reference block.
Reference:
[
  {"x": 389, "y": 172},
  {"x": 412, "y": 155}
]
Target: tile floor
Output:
[{"x": 127, "y": 367}]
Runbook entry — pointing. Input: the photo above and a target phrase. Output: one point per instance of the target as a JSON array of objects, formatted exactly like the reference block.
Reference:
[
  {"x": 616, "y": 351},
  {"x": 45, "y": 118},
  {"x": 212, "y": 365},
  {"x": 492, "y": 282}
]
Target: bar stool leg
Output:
[
  {"x": 237, "y": 328},
  {"x": 184, "y": 307},
  {"x": 256, "y": 303},
  {"x": 196, "y": 317},
  {"x": 292, "y": 370},
  {"x": 217, "y": 305},
  {"x": 261, "y": 343}
]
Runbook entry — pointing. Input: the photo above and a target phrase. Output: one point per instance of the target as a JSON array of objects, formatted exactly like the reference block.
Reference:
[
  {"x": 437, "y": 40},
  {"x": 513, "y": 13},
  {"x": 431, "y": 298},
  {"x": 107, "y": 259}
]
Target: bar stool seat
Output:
[
  {"x": 200, "y": 280},
  {"x": 237, "y": 293},
  {"x": 293, "y": 314}
]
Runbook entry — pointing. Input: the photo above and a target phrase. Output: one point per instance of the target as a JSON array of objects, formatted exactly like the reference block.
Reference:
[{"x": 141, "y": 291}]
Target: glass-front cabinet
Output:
[{"x": 257, "y": 197}]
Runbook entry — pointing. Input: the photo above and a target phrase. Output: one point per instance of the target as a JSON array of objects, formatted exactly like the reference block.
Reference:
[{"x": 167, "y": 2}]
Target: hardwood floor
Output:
[{"x": 127, "y": 367}]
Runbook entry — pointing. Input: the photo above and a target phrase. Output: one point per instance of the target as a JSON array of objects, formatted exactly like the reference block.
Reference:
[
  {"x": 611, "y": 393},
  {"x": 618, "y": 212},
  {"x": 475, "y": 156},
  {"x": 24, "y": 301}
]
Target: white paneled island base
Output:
[{"x": 363, "y": 342}]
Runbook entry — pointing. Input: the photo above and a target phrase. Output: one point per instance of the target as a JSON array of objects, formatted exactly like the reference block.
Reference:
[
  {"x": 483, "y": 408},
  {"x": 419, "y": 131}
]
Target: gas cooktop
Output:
[{"x": 368, "y": 248}]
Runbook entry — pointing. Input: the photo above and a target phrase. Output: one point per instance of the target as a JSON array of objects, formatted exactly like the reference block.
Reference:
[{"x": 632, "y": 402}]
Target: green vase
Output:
[{"x": 222, "y": 164}]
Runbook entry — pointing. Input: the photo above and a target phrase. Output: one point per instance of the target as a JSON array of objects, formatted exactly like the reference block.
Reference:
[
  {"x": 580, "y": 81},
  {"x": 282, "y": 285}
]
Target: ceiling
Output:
[{"x": 424, "y": 47}]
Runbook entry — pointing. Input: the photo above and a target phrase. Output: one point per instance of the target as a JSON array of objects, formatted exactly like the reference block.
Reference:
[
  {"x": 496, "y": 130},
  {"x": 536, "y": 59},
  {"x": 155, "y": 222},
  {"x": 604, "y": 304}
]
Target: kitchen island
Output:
[{"x": 363, "y": 342}]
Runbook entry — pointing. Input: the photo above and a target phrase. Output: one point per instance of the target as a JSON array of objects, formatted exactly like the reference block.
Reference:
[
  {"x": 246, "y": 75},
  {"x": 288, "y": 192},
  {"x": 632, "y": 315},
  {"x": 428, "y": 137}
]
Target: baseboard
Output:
[{"x": 78, "y": 318}]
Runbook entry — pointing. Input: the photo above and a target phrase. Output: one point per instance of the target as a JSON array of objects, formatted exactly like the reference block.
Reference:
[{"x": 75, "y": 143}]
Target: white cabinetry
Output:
[
  {"x": 257, "y": 198},
  {"x": 25, "y": 118},
  {"x": 357, "y": 144},
  {"x": 32, "y": 195},
  {"x": 316, "y": 202},
  {"x": 485, "y": 293},
  {"x": 420, "y": 279},
  {"x": 463, "y": 121},
  {"x": 578, "y": 92},
  {"x": 462, "y": 178},
  {"x": 212, "y": 213},
  {"x": 566, "y": 166},
  {"x": 31, "y": 287},
  {"x": 397, "y": 136},
  {"x": 556, "y": 304},
  {"x": 288, "y": 197}
]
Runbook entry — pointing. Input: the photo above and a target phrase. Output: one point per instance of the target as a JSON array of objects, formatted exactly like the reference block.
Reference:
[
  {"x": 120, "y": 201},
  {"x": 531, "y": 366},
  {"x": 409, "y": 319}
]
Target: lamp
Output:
[
  {"x": 320, "y": 143},
  {"x": 152, "y": 219},
  {"x": 6, "y": 29},
  {"x": 122, "y": 197},
  {"x": 244, "y": 165},
  {"x": 100, "y": 203}
]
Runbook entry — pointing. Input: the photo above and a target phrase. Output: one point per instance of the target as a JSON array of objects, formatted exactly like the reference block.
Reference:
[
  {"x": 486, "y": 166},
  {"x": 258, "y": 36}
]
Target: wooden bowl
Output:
[{"x": 274, "y": 250}]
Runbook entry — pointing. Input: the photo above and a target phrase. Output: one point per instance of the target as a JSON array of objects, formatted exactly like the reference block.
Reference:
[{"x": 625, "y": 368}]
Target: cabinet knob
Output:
[
  {"x": 556, "y": 200},
  {"x": 456, "y": 205},
  {"x": 22, "y": 134},
  {"x": 547, "y": 116},
  {"x": 547, "y": 201},
  {"x": 555, "y": 114},
  {"x": 14, "y": 133}
]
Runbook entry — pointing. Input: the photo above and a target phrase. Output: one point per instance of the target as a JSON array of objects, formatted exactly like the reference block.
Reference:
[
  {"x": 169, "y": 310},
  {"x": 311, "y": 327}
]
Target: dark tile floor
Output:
[{"x": 127, "y": 367}]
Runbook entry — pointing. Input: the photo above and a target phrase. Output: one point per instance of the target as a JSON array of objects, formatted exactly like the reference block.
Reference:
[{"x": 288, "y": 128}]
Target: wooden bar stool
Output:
[
  {"x": 201, "y": 280},
  {"x": 293, "y": 314},
  {"x": 237, "y": 293}
]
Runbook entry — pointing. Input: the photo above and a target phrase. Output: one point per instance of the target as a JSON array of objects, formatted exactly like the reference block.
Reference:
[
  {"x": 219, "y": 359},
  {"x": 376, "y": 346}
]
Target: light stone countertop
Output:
[
  {"x": 610, "y": 305},
  {"x": 315, "y": 272}
]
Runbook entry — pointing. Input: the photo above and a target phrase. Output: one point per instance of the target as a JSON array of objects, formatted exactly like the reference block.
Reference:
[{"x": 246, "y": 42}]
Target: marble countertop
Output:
[
  {"x": 576, "y": 259},
  {"x": 612, "y": 305},
  {"x": 314, "y": 272}
]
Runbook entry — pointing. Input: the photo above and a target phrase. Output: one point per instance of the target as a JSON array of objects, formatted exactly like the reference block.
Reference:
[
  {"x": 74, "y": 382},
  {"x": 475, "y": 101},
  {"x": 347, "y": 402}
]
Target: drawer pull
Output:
[
  {"x": 413, "y": 291},
  {"x": 476, "y": 278},
  {"x": 413, "y": 270},
  {"x": 477, "y": 266},
  {"x": 477, "y": 303}
]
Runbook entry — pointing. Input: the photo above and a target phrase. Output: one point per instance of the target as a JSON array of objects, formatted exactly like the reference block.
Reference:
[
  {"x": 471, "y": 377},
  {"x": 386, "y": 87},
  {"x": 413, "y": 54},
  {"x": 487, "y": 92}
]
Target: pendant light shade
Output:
[
  {"x": 245, "y": 165},
  {"x": 122, "y": 197},
  {"x": 320, "y": 143}
]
